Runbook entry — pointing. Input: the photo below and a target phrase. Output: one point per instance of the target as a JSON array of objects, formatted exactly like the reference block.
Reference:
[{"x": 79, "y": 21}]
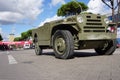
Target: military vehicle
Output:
[{"x": 83, "y": 31}]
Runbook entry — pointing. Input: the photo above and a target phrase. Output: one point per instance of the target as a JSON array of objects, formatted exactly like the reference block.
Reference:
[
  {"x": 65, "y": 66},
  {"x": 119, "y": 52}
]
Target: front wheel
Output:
[
  {"x": 63, "y": 44},
  {"x": 108, "y": 48}
]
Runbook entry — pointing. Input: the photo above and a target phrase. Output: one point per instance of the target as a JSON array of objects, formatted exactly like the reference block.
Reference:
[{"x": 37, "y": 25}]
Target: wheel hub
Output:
[{"x": 60, "y": 45}]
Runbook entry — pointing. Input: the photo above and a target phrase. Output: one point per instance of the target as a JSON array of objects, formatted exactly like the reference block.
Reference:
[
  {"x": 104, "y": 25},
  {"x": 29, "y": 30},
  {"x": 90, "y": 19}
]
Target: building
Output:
[{"x": 11, "y": 37}]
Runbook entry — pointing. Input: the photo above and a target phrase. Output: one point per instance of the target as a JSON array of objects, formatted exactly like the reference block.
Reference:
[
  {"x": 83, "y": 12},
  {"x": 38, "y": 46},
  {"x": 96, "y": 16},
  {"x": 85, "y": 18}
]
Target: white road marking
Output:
[{"x": 12, "y": 60}]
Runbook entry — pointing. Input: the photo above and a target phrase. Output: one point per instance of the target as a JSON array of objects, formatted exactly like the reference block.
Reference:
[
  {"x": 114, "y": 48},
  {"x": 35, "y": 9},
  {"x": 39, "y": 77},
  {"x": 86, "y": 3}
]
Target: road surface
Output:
[{"x": 86, "y": 65}]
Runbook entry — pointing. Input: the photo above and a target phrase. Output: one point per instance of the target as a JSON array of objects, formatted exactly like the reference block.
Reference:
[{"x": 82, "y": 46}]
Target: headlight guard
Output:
[
  {"x": 107, "y": 20},
  {"x": 80, "y": 19}
]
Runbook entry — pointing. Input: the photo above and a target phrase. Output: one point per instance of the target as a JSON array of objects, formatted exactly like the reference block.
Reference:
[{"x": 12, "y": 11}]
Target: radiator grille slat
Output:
[{"x": 94, "y": 24}]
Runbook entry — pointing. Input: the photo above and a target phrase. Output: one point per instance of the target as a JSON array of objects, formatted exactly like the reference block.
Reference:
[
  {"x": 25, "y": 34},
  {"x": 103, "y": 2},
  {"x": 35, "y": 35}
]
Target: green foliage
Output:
[
  {"x": 24, "y": 36},
  {"x": 29, "y": 32},
  {"x": 1, "y": 37},
  {"x": 17, "y": 39},
  {"x": 71, "y": 8}
]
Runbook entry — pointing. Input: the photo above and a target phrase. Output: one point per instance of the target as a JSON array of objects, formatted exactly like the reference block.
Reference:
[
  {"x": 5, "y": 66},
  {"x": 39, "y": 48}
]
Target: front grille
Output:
[
  {"x": 94, "y": 24},
  {"x": 87, "y": 27},
  {"x": 89, "y": 20},
  {"x": 94, "y": 30}
]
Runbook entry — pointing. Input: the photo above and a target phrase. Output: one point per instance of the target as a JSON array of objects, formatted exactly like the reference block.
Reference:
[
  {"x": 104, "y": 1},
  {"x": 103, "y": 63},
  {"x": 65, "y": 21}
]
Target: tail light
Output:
[{"x": 111, "y": 29}]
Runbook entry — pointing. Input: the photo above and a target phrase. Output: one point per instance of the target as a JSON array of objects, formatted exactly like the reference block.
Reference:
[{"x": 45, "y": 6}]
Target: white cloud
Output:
[
  {"x": 10, "y": 16},
  {"x": 4, "y": 35},
  {"x": 98, "y": 7},
  {"x": 50, "y": 19},
  {"x": 12, "y": 11},
  {"x": 55, "y": 2},
  {"x": 0, "y": 30}
]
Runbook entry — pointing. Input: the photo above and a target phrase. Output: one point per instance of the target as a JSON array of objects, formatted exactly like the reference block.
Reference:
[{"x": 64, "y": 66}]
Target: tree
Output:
[
  {"x": 1, "y": 37},
  {"x": 29, "y": 33},
  {"x": 24, "y": 35},
  {"x": 71, "y": 8},
  {"x": 17, "y": 39}
]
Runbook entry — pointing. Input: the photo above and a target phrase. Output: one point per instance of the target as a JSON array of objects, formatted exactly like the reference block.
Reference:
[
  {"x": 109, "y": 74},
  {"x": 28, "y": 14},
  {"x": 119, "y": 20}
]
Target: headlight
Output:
[
  {"x": 79, "y": 19},
  {"x": 107, "y": 20}
]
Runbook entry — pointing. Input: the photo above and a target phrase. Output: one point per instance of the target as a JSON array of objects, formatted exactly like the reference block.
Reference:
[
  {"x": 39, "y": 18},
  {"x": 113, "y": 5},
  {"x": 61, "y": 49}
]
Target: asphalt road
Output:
[{"x": 86, "y": 65}]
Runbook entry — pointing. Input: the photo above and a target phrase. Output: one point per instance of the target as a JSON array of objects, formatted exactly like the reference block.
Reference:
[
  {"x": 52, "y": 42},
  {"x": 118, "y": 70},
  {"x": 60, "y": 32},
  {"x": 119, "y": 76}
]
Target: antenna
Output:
[{"x": 78, "y": 4}]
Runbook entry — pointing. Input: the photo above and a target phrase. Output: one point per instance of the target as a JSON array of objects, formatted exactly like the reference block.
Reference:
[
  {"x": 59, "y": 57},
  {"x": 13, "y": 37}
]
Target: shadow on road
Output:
[
  {"x": 49, "y": 53},
  {"x": 85, "y": 54},
  {"x": 76, "y": 54}
]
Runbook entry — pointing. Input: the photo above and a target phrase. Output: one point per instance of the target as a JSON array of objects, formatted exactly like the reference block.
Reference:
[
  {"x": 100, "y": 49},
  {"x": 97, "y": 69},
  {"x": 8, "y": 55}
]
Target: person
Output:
[{"x": 4, "y": 47}]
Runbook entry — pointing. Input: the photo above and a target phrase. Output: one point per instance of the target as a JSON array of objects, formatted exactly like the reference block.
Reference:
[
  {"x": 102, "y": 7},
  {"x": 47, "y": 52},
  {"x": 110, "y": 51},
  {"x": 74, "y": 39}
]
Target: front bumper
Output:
[{"x": 96, "y": 36}]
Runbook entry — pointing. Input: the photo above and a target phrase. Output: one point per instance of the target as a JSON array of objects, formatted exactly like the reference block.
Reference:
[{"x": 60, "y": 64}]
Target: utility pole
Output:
[
  {"x": 118, "y": 12},
  {"x": 113, "y": 11},
  {"x": 111, "y": 5}
]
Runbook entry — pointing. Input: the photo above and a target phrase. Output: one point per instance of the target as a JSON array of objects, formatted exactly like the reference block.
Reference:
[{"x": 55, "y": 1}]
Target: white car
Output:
[{"x": 26, "y": 45}]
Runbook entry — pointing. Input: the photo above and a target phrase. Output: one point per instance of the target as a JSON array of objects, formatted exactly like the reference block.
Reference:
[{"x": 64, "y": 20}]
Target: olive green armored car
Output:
[{"x": 83, "y": 31}]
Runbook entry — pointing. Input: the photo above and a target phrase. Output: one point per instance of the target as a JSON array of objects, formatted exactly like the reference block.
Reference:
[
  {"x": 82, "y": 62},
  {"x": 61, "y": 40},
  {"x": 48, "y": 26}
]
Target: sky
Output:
[{"x": 17, "y": 16}]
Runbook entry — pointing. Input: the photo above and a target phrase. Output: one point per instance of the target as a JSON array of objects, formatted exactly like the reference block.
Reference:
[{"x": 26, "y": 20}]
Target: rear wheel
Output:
[
  {"x": 38, "y": 49},
  {"x": 63, "y": 44},
  {"x": 108, "y": 48}
]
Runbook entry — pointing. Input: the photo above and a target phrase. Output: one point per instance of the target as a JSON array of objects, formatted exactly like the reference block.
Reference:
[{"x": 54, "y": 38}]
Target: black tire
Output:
[
  {"x": 63, "y": 44},
  {"x": 108, "y": 48},
  {"x": 38, "y": 49}
]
